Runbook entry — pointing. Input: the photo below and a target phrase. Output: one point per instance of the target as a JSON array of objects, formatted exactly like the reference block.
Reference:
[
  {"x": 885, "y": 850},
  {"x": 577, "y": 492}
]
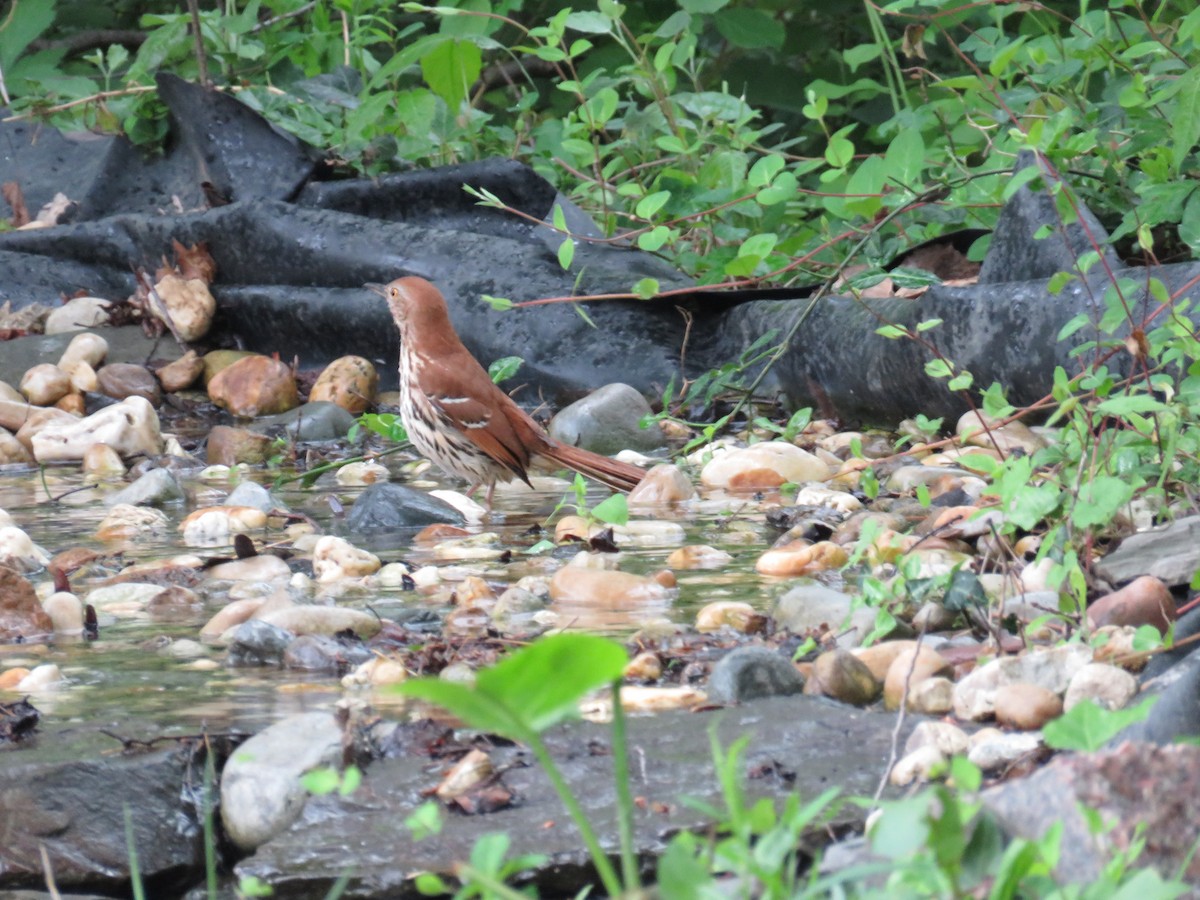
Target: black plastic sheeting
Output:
[{"x": 293, "y": 248}]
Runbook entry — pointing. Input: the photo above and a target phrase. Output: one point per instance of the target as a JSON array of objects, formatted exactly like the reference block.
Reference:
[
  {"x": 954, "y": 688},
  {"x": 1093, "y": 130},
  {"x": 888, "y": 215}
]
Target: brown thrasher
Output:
[{"x": 456, "y": 416}]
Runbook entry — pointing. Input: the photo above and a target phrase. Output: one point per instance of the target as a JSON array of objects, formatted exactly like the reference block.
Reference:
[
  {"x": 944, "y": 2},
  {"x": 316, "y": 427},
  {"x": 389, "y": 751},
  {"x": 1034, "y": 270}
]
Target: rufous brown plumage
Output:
[{"x": 457, "y": 417}]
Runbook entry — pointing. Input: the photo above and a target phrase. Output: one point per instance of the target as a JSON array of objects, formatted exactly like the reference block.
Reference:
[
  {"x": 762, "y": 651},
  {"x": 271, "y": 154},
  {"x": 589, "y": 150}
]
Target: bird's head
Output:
[{"x": 414, "y": 302}]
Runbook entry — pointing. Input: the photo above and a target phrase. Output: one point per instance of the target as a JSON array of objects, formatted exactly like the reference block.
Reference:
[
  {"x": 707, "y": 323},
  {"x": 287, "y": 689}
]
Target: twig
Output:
[
  {"x": 201, "y": 60},
  {"x": 48, "y": 871},
  {"x": 893, "y": 751}
]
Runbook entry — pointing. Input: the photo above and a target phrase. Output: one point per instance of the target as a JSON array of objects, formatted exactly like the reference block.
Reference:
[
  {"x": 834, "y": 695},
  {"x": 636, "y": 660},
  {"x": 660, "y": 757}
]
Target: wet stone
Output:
[
  {"x": 320, "y": 653},
  {"x": 387, "y": 506},
  {"x": 607, "y": 421},
  {"x": 121, "y": 380},
  {"x": 229, "y": 446},
  {"x": 156, "y": 487},
  {"x": 751, "y": 673},
  {"x": 258, "y": 643},
  {"x": 317, "y": 420},
  {"x": 254, "y": 495}
]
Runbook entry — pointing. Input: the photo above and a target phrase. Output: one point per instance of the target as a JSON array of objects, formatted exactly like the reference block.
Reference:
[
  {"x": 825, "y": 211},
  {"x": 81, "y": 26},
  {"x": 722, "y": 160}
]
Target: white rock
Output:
[
  {"x": 265, "y": 567},
  {"x": 393, "y": 575},
  {"x": 648, "y": 533},
  {"x": 365, "y": 472},
  {"x": 261, "y": 793},
  {"x": 78, "y": 314},
  {"x": 335, "y": 558},
  {"x": 1108, "y": 686},
  {"x": 789, "y": 461},
  {"x": 12, "y": 450},
  {"x": 816, "y": 495},
  {"x": 18, "y": 552},
  {"x": 215, "y": 525},
  {"x": 473, "y": 512},
  {"x": 917, "y": 765},
  {"x": 974, "y": 695},
  {"x": 125, "y": 600},
  {"x": 189, "y": 306},
  {"x": 45, "y": 384},
  {"x": 102, "y": 463},
  {"x": 46, "y": 677},
  {"x": 1003, "y": 748},
  {"x": 328, "y": 620},
  {"x": 125, "y": 520},
  {"x": 65, "y": 611},
  {"x": 949, "y": 739},
  {"x": 83, "y": 377},
  {"x": 87, "y": 347},
  {"x": 129, "y": 427}
]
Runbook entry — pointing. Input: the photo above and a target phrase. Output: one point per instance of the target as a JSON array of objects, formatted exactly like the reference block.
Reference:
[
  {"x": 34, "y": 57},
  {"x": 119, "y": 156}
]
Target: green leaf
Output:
[
  {"x": 840, "y": 152},
  {"x": 861, "y": 54},
  {"x": 759, "y": 245},
  {"x": 1099, "y": 499},
  {"x": 646, "y": 288},
  {"x": 654, "y": 238},
  {"x": 566, "y": 253},
  {"x": 499, "y": 304},
  {"x": 938, "y": 368},
  {"x": 1127, "y": 404},
  {"x": 504, "y": 368},
  {"x": 905, "y": 159},
  {"x": 424, "y": 821},
  {"x": 782, "y": 190},
  {"x": 961, "y": 382},
  {"x": 320, "y": 782},
  {"x": 1088, "y": 727},
  {"x": 891, "y": 332},
  {"x": 764, "y": 170},
  {"x": 450, "y": 69},
  {"x": 1185, "y": 121},
  {"x": 751, "y": 29},
  {"x": 652, "y": 203},
  {"x": 1032, "y": 504},
  {"x": 530, "y": 690},
  {"x": 589, "y": 22},
  {"x": 614, "y": 510},
  {"x": 702, "y": 6}
]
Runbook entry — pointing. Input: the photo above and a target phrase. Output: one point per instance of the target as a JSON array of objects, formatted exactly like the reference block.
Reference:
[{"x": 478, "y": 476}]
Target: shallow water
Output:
[{"x": 130, "y": 670}]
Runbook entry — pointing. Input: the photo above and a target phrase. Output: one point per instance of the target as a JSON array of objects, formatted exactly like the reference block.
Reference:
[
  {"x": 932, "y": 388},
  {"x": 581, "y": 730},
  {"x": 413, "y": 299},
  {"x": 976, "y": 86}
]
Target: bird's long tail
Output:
[{"x": 617, "y": 475}]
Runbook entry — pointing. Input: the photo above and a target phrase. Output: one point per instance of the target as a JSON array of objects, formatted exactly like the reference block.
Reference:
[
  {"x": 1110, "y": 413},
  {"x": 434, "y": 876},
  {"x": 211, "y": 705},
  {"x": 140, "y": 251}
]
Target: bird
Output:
[{"x": 458, "y": 418}]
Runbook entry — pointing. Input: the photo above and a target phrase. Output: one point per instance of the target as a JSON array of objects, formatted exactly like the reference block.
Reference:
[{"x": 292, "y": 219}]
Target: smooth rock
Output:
[
  {"x": 1025, "y": 707},
  {"x": 86, "y": 348},
  {"x": 230, "y": 446},
  {"x": 974, "y": 695},
  {"x": 1170, "y": 553},
  {"x": 645, "y": 666},
  {"x": 335, "y": 557},
  {"x": 45, "y": 384},
  {"x": 84, "y": 379},
  {"x": 664, "y": 483},
  {"x": 948, "y": 738},
  {"x": 790, "y": 462},
  {"x": 908, "y": 670},
  {"x": 12, "y": 451},
  {"x": 1106, "y": 686},
  {"x": 180, "y": 374},
  {"x": 253, "y": 642},
  {"x": 801, "y": 558},
  {"x": 78, "y": 314},
  {"x": 603, "y": 587},
  {"x": 607, "y": 421},
  {"x": 264, "y": 567},
  {"x": 980, "y": 430},
  {"x": 215, "y": 525},
  {"x": 349, "y": 381},
  {"x": 328, "y": 620},
  {"x": 155, "y": 488},
  {"x": 733, "y": 614},
  {"x": 751, "y": 673},
  {"x": 376, "y": 671},
  {"x": 917, "y": 765},
  {"x": 45, "y": 677},
  {"x": 124, "y": 599},
  {"x": 312, "y": 421},
  {"x": 321, "y": 653},
  {"x": 65, "y": 612},
  {"x": 187, "y": 306},
  {"x": 129, "y": 427},
  {"x": 1144, "y": 601},
  {"x": 698, "y": 556},
  {"x": 121, "y": 380},
  {"x": 102, "y": 463},
  {"x": 21, "y": 616},
  {"x": 387, "y": 506},
  {"x": 812, "y": 609},
  {"x": 932, "y": 697},
  {"x": 125, "y": 521},
  {"x": 878, "y": 658},
  {"x": 254, "y": 495},
  {"x": 841, "y": 675},
  {"x": 254, "y": 386},
  {"x": 261, "y": 793},
  {"x": 1001, "y": 749},
  {"x": 363, "y": 473},
  {"x": 19, "y": 552}
]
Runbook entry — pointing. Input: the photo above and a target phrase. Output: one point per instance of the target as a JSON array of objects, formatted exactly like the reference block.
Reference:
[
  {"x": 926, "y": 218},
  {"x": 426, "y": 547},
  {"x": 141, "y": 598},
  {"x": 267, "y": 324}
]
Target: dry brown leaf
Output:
[
  {"x": 16, "y": 200},
  {"x": 195, "y": 261}
]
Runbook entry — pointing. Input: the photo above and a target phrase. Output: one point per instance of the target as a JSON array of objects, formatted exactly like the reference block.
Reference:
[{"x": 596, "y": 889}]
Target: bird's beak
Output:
[{"x": 379, "y": 289}]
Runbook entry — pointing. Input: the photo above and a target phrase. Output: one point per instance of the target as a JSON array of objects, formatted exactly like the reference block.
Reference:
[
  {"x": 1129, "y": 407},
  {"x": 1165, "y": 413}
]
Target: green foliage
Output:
[{"x": 1088, "y": 727}]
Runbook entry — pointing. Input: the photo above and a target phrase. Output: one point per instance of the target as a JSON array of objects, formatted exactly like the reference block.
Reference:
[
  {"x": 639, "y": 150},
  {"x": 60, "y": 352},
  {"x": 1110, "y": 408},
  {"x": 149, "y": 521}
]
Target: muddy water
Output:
[{"x": 134, "y": 668}]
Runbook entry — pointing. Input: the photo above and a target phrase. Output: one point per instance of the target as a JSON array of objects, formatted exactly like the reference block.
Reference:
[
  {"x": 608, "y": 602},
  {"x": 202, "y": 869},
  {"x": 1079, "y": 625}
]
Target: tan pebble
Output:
[
  {"x": 335, "y": 557},
  {"x": 1025, "y": 706},
  {"x": 728, "y": 614},
  {"x": 182, "y": 373},
  {"x": 665, "y": 577},
  {"x": 1107, "y": 686},
  {"x": 126, "y": 520},
  {"x": 474, "y": 591},
  {"x": 65, "y": 611},
  {"x": 229, "y": 615},
  {"x": 698, "y": 556},
  {"x": 230, "y": 446},
  {"x": 646, "y": 666},
  {"x": 912, "y": 667},
  {"x": 879, "y": 657},
  {"x": 376, "y": 671},
  {"x": 432, "y": 534},
  {"x": 948, "y": 738},
  {"x": 10, "y": 678},
  {"x": 87, "y": 347},
  {"x": 843, "y": 676},
  {"x": 44, "y": 384},
  {"x": 754, "y": 480},
  {"x": 130, "y": 427},
  {"x": 188, "y": 303},
  {"x": 367, "y": 472},
  {"x": 932, "y": 697},
  {"x": 788, "y": 461},
  {"x": 571, "y": 528},
  {"x": 1144, "y": 601},
  {"x": 801, "y": 558},
  {"x": 920, "y": 765},
  {"x": 215, "y": 524},
  {"x": 72, "y": 403},
  {"x": 602, "y": 586},
  {"x": 102, "y": 463},
  {"x": 350, "y": 381},
  {"x": 664, "y": 483},
  {"x": 43, "y": 677},
  {"x": 254, "y": 386}
]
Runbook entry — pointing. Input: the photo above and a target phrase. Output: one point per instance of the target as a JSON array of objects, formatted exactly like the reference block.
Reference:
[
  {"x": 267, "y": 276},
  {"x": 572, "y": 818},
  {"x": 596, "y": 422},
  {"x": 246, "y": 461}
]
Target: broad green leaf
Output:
[
  {"x": 654, "y": 238},
  {"x": 759, "y": 245},
  {"x": 1032, "y": 504},
  {"x": 646, "y": 288},
  {"x": 861, "y": 54},
  {"x": 1185, "y": 121},
  {"x": 1127, "y": 404},
  {"x": 1099, "y": 499},
  {"x": 500, "y": 304},
  {"x": 938, "y": 368},
  {"x": 589, "y": 22},
  {"x": 566, "y": 253},
  {"x": 905, "y": 159},
  {"x": 840, "y": 152},
  {"x": 782, "y": 190},
  {"x": 1088, "y": 727},
  {"x": 614, "y": 510},
  {"x": 701, "y": 6},
  {"x": 751, "y": 29},
  {"x": 764, "y": 170},
  {"x": 450, "y": 69},
  {"x": 504, "y": 368},
  {"x": 891, "y": 332},
  {"x": 651, "y": 204}
]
